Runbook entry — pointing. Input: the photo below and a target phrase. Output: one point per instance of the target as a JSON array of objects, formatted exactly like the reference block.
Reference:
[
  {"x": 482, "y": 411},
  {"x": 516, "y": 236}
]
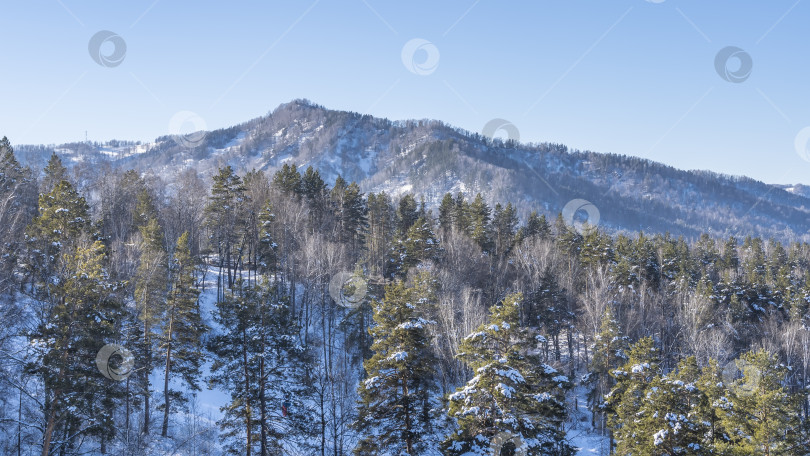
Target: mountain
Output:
[{"x": 430, "y": 158}]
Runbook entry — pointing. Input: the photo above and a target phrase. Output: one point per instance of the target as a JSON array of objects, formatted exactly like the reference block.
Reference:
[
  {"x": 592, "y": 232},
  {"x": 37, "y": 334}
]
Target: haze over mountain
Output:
[{"x": 430, "y": 158}]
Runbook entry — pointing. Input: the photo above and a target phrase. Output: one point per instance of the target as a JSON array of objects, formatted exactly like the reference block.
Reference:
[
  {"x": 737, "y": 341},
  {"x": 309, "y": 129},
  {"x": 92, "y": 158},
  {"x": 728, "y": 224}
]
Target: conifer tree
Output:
[
  {"x": 596, "y": 248},
  {"x": 407, "y": 213},
  {"x": 447, "y": 209},
  {"x": 504, "y": 227},
  {"x": 730, "y": 259},
  {"x": 395, "y": 410},
  {"x": 548, "y": 308},
  {"x": 479, "y": 220},
  {"x": 760, "y": 416},
  {"x": 151, "y": 283},
  {"x": 350, "y": 212},
  {"x": 268, "y": 247},
  {"x": 670, "y": 421},
  {"x": 63, "y": 219},
  {"x": 288, "y": 180},
  {"x": 381, "y": 222},
  {"x": 536, "y": 226},
  {"x": 17, "y": 207},
  {"x": 513, "y": 393},
  {"x": 78, "y": 313},
  {"x": 568, "y": 239},
  {"x": 713, "y": 400},
  {"x": 626, "y": 400},
  {"x": 609, "y": 352},
  {"x": 461, "y": 214},
  {"x": 419, "y": 244},
  {"x": 55, "y": 172},
  {"x": 181, "y": 340},
  {"x": 316, "y": 193},
  {"x": 225, "y": 219},
  {"x": 266, "y": 371},
  {"x": 82, "y": 314}
]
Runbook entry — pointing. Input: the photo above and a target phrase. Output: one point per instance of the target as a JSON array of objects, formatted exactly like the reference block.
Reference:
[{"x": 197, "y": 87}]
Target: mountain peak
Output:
[{"x": 430, "y": 158}]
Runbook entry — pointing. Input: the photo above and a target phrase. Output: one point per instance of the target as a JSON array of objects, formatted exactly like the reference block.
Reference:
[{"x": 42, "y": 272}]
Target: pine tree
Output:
[
  {"x": 225, "y": 219},
  {"x": 288, "y": 180},
  {"x": 63, "y": 219},
  {"x": 55, "y": 172},
  {"x": 597, "y": 249},
  {"x": 17, "y": 208},
  {"x": 670, "y": 421},
  {"x": 266, "y": 371},
  {"x": 626, "y": 400},
  {"x": 754, "y": 265},
  {"x": 760, "y": 415},
  {"x": 350, "y": 212},
  {"x": 504, "y": 227},
  {"x": 407, "y": 213},
  {"x": 419, "y": 244},
  {"x": 267, "y": 254},
  {"x": 568, "y": 239},
  {"x": 609, "y": 352},
  {"x": 705, "y": 250},
  {"x": 381, "y": 222},
  {"x": 479, "y": 228},
  {"x": 78, "y": 312},
  {"x": 536, "y": 226},
  {"x": 730, "y": 259},
  {"x": 548, "y": 308},
  {"x": 181, "y": 340},
  {"x": 713, "y": 400},
  {"x": 316, "y": 193},
  {"x": 644, "y": 258},
  {"x": 461, "y": 214},
  {"x": 395, "y": 411},
  {"x": 513, "y": 392},
  {"x": 447, "y": 210},
  {"x": 312, "y": 186},
  {"x": 151, "y": 283}
]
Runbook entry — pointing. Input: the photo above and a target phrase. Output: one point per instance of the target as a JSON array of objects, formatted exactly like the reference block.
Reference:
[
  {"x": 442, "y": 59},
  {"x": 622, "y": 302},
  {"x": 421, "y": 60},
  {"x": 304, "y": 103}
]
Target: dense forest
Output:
[{"x": 338, "y": 322}]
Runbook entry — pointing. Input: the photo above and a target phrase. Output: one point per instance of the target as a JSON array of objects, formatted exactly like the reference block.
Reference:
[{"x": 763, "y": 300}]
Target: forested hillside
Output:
[
  {"x": 335, "y": 320},
  {"x": 432, "y": 158}
]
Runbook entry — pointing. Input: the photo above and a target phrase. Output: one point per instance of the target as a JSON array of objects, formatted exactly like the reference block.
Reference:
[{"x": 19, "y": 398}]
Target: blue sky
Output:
[{"x": 632, "y": 77}]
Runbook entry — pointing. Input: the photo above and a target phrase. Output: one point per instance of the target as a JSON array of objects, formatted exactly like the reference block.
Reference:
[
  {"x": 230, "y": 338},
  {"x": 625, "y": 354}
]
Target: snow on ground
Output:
[
  {"x": 578, "y": 428},
  {"x": 210, "y": 400}
]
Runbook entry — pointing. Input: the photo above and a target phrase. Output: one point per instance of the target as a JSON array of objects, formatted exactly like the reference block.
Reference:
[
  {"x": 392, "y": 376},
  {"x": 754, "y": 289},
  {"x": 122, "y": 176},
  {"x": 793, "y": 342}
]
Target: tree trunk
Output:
[
  {"x": 19, "y": 423},
  {"x": 248, "y": 421},
  {"x": 262, "y": 398},
  {"x": 46, "y": 440},
  {"x": 126, "y": 423},
  {"x": 165, "y": 429},
  {"x": 49, "y": 428},
  {"x": 408, "y": 436},
  {"x": 146, "y": 393}
]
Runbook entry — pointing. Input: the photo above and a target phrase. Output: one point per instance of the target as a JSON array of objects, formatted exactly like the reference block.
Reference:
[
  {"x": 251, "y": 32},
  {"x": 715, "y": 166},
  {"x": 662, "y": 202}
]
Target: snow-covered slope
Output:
[{"x": 430, "y": 158}]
